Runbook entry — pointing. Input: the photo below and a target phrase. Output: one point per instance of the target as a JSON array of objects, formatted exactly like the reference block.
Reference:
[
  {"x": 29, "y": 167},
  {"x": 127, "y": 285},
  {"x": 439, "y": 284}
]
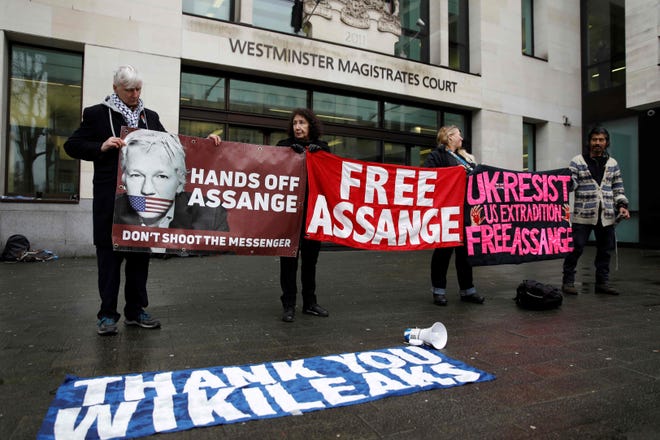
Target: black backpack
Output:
[
  {"x": 15, "y": 248},
  {"x": 537, "y": 296}
]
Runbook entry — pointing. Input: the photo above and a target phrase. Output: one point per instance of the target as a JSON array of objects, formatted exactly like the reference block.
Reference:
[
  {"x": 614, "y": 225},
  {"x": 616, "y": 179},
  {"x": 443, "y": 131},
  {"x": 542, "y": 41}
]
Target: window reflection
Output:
[
  {"x": 261, "y": 98},
  {"x": 345, "y": 109},
  {"x": 202, "y": 90},
  {"x": 606, "y": 54},
  {"x": 527, "y": 27},
  {"x": 44, "y": 109},
  {"x": 201, "y": 129},
  {"x": 394, "y": 153},
  {"x": 458, "y": 35},
  {"x": 416, "y": 156},
  {"x": 246, "y": 135},
  {"x": 273, "y": 137},
  {"x": 218, "y": 9},
  {"x": 413, "y": 41},
  {"x": 272, "y": 14},
  {"x": 354, "y": 148},
  {"x": 410, "y": 119},
  {"x": 259, "y": 112},
  {"x": 457, "y": 120},
  {"x": 529, "y": 147}
]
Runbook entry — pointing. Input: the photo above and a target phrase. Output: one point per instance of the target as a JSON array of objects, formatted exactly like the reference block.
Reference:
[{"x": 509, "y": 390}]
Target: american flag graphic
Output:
[{"x": 149, "y": 204}]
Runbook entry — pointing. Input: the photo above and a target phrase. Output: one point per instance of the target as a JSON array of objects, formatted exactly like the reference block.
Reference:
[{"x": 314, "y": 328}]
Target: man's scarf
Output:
[{"x": 132, "y": 117}]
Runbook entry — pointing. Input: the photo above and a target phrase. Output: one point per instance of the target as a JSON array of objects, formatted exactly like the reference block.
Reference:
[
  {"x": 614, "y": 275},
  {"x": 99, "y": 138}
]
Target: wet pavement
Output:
[{"x": 590, "y": 369}]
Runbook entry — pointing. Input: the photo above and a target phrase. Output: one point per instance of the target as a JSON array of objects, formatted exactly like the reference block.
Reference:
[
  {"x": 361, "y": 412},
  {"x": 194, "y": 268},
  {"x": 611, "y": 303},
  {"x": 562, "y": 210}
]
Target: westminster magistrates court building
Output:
[{"x": 524, "y": 79}]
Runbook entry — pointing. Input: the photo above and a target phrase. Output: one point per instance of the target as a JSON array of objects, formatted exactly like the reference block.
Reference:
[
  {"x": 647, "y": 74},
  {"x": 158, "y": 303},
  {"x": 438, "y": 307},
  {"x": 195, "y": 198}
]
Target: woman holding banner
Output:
[
  {"x": 449, "y": 153},
  {"x": 304, "y": 131}
]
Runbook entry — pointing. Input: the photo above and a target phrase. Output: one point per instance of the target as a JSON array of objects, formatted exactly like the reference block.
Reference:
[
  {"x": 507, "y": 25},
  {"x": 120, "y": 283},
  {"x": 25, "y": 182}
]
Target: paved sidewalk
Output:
[{"x": 590, "y": 369}]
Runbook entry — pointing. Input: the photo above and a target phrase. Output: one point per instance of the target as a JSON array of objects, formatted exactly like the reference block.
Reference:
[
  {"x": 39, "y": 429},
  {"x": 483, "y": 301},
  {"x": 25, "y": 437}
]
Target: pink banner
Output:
[
  {"x": 182, "y": 194},
  {"x": 517, "y": 216},
  {"x": 386, "y": 207}
]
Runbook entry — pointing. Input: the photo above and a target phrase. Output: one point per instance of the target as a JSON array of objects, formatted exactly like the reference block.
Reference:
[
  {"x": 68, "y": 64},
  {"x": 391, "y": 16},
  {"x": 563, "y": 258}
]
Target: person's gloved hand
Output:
[
  {"x": 313, "y": 148},
  {"x": 298, "y": 148}
]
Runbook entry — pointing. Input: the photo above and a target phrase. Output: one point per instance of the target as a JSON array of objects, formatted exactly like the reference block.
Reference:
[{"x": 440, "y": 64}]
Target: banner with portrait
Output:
[
  {"x": 379, "y": 206},
  {"x": 516, "y": 217},
  {"x": 185, "y": 195}
]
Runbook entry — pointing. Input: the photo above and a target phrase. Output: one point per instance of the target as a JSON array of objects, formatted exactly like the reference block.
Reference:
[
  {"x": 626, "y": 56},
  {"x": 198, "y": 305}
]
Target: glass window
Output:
[
  {"x": 528, "y": 27},
  {"x": 394, "y": 153},
  {"x": 423, "y": 154},
  {"x": 461, "y": 122},
  {"x": 273, "y": 14},
  {"x": 202, "y": 90},
  {"x": 258, "y": 113},
  {"x": 408, "y": 47},
  {"x": 456, "y": 119},
  {"x": 273, "y": 137},
  {"x": 418, "y": 155},
  {"x": 624, "y": 147},
  {"x": 200, "y": 128},
  {"x": 349, "y": 110},
  {"x": 44, "y": 109},
  {"x": 410, "y": 119},
  {"x": 529, "y": 147},
  {"x": 413, "y": 41},
  {"x": 218, "y": 9},
  {"x": 354, "y": 148},
  {"x": 458, "y": 35},
  {"x": 255, "y": 97},
  {"x": 606, "y": 52},
  {"x": 246, "y": 135},
  {"x": 258, "y": 136},
  {"x": 255, "y": 135}
]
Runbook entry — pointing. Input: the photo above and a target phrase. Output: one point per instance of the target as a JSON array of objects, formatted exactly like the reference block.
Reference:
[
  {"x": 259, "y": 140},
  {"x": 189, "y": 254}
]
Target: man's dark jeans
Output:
[{"x": 605, "y": 244}]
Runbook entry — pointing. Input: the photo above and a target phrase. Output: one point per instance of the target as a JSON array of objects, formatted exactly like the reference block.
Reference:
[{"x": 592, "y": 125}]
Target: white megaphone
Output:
[{"x": 435, "y": 336}]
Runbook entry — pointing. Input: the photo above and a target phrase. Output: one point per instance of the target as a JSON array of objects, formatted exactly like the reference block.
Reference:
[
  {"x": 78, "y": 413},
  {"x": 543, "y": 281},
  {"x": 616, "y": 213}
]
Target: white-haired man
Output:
[{"x": 98, "y": 140}]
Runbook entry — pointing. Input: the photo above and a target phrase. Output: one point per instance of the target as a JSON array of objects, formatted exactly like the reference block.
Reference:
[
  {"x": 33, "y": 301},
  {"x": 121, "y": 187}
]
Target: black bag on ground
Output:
[
  {"x": 538, "y": 296},
  {"x": 17, "y": 245}
]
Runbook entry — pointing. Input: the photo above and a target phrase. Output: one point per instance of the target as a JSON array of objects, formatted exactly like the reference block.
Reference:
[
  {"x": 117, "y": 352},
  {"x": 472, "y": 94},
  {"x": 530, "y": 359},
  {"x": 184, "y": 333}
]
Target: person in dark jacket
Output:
[
  {"x": 98, "y": 140},
  {"x": 304, "y": 132},
  {"x": 450, "y": 153}
]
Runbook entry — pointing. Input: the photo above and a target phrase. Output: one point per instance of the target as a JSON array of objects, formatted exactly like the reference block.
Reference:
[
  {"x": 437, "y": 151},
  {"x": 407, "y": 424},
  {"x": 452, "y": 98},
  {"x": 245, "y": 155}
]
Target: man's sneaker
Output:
[
  {"x": 143, "y": 320},
  {"x": 316, "y": 310},
  {"x": 106, "y": 326},
  {"x": 439, "y": 300},
  {"x": 569, "y": 289},
  {"x": 289, "y": 314},
  {"x": 606, "y": 289}
]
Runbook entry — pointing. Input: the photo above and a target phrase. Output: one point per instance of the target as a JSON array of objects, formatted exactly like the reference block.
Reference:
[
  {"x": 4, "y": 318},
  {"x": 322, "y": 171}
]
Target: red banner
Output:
[
  {"x": 387, "y": 207},
  {"x": 182, "y": 194}
]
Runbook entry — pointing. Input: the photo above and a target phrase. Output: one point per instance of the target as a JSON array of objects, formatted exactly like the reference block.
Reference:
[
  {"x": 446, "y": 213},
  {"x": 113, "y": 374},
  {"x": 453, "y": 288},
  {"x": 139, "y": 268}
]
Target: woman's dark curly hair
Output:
[{"x": 315, "y": 126}]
